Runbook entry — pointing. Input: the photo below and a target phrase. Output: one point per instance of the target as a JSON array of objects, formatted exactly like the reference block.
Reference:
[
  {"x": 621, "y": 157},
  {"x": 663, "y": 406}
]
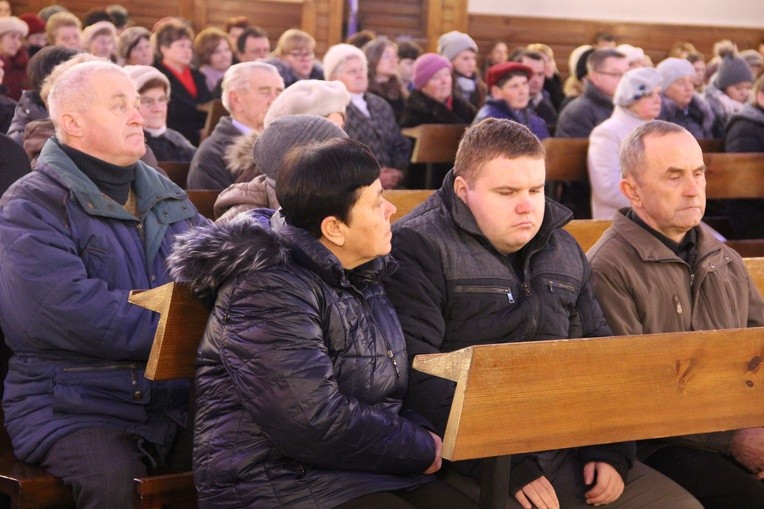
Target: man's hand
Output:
[
  {"x": 748, "y": 449},
  {"x": 438, "y": 460},
  {"x": 539, "y": 494},
  {"x": 609, "y": 484}
]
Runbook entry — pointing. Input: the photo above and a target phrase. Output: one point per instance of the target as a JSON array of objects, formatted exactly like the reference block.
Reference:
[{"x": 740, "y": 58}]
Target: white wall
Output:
[{"x": 739, "y": 13}]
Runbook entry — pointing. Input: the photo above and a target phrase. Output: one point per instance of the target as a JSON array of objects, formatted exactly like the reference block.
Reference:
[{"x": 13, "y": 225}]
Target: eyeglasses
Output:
[
  {"x": 149, "y": 102},
  {"x": 613, "y": 74},
  {"x": 302, "y": 55}
]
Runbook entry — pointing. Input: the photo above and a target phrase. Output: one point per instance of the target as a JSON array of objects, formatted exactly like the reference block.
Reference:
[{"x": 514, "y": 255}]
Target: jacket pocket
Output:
[{"x": 115, "y": 390}]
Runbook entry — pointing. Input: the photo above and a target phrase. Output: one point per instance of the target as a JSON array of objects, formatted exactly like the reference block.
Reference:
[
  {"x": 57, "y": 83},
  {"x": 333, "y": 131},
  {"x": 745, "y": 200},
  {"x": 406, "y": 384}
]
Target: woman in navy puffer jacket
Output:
[{"x": 302, "y": 368}]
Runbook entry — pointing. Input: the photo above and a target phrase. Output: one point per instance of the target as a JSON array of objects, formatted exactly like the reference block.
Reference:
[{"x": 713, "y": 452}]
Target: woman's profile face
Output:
[{"x": 367, "y": 233}]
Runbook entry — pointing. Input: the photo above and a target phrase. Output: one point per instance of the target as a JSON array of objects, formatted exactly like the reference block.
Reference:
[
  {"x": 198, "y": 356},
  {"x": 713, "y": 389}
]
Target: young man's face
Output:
[
  {"x": 507, "y": 200},
  {"x": 536, "y": 82},
  {"x": 465, "y": 63}
]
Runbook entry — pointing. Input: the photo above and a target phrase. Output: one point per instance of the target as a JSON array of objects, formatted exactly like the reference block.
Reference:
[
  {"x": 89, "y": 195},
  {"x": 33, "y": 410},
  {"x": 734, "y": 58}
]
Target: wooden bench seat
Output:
[{"x": 434, "y": 144}]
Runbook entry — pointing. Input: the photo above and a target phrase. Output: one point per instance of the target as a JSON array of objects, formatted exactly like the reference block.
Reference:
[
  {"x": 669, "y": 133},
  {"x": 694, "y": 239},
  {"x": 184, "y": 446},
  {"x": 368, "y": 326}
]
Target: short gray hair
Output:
[
  {"x": 632, "y": 155},
  {"x": 72, "y": 90},
  {"x": 237, "y": 78}
]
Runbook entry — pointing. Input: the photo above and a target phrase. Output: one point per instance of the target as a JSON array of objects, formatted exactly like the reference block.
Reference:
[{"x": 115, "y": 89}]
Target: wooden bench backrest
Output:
[
  {"x": 182, "y": 320},
  {"x": 405, "y": 200},
  {"x": 435, "y": 143},
  {"x": 177, "y": 171},
  {"x": 711, "y": 145},
  {"x": 204, "y": 201},
  {"x": 215, "y": 110},
  {"x": 734, "y": 175},
  {"x": 566, "y": 158},
  {"x": 523, "y": 397},
  {"x": 755, "y": 268},
  {"x": 587, "y": 231}
]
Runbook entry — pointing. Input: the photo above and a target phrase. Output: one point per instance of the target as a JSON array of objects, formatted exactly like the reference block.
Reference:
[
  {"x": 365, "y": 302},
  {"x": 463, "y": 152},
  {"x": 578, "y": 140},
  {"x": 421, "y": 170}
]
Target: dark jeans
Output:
[
  {"x": 716, "y": 481},
  {"x": 434, "y": 494},
  {"x": 99, "y": 464}
]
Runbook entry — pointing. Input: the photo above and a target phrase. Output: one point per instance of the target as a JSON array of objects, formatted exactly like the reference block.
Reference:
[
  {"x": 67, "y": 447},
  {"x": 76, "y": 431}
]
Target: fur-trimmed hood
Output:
[
  {"x": 205, "y": 257},
  {"x": 238, "y": 157}
]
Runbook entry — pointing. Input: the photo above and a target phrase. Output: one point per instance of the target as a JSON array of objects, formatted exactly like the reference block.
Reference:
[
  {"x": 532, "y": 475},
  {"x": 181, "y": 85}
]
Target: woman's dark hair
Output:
[
  {"x": 43, "y": 62},
  {"x": 323, "y": 179},
  {"x": 171, "y": 31}
]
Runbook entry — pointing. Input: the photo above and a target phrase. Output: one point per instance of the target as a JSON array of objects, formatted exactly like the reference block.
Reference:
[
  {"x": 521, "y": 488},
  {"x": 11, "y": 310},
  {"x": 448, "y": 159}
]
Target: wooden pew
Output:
[
  {"x": 755, "y": 268},
  {"x": 182, "y": 319},
  {"x": 177, "y": 171},
  {"x": 535, "y": 396},
  {"x": 434, "y": 144},
  {"x": 28, "y": 486},
  {"x": 734, "y": 175},
  {"x": 587, "y": 231},
  {"x": 215, "y": 110},
  {"x": 405, "y": 200},
  {"x": 204, "y": 201}
]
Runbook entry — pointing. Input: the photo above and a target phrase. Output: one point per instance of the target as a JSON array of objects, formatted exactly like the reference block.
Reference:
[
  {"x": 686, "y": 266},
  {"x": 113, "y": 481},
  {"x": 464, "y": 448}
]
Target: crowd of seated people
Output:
[{"x": 295, "y": 244}]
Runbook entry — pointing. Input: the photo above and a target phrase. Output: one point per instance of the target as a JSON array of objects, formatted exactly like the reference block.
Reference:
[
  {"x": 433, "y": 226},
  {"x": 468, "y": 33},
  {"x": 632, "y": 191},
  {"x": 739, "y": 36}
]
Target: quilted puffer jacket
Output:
[{"x": 300, "y": 373}]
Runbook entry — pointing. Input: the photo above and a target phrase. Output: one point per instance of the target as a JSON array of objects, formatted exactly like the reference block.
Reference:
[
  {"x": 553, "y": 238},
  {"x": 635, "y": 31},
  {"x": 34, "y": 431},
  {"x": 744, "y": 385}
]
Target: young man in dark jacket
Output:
[
  {"x": 485, "y": 260},
  {"x": 655, "y": 270},
  {"x": 90, "y": 224}
]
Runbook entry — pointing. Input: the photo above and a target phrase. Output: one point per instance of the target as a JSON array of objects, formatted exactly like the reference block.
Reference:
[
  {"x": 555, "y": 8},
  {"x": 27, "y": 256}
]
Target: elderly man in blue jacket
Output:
[{"x": 76, "y": 236}]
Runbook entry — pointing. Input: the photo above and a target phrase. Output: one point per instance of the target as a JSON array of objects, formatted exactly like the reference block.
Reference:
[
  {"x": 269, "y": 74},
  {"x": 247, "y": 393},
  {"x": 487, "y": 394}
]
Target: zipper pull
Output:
[
  {"x": 526, "y": 288},
  {"x": 510, "y": 298},
  {"x": 692, "y": 280},
  {"x": 395, "y": 363},
  {"x": 678, "y": 305}
]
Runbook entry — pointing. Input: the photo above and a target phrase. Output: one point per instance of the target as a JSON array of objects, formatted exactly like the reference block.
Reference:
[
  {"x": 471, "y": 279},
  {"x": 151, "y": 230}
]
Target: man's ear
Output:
[
  {"x": 333, "y": 230},
  {"x": 629, "y": 190},
  {"x": 71, "y": 124},
  {"x": 460, "y": 188}
]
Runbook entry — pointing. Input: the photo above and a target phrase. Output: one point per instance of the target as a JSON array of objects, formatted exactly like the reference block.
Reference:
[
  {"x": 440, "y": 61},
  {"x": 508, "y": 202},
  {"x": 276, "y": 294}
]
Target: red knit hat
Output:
[
  {"x": 498, "y": 71},
  {"x": 35, "y": 23}
]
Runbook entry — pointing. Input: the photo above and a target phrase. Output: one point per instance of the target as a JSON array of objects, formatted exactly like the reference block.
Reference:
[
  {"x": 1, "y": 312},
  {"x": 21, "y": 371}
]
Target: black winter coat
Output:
[
  {"x": 423, "y": 109},
  {"x": 300, "y": 374},
  {"x": 745, "y": 133},
  {"x": 454, "y": 290},
  {"x": 182, "y": 113}
]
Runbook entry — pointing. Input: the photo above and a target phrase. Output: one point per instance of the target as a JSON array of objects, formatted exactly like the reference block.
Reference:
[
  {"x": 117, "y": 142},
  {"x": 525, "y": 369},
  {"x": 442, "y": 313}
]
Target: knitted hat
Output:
[
  {"x": 35, "y": 23},
  {"x": 497, "y": 72},
  {"x": 733, "y": 70},
  {"x": 46, "y": 12},
  {"x": 753, "y": 57},
  {"x": 141, "y": 74},
  {"x": 636, "y": 84},
  {"x": 13, "y": 24},
  {"x": 337, "y": 54},
  {"x": 672, "y": 69},
  {"x": 577, "y": 60},
  {"x": 633, "y": 54},
  {"x": 287, "y": 132},
  {"x": 129, "y": 39},
  {"x": 454, "y": 42},
  {"x": 309, "y": 97},
  {"x": 89, "y": 32},
  {"x": 426, "y": 66}
]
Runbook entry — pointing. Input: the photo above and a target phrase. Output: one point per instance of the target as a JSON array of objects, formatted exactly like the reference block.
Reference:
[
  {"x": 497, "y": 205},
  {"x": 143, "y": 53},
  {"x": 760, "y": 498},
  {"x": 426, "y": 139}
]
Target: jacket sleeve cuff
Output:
[
  {"x": 523, "y": 471},
  {"x": 620, "y": 455}
]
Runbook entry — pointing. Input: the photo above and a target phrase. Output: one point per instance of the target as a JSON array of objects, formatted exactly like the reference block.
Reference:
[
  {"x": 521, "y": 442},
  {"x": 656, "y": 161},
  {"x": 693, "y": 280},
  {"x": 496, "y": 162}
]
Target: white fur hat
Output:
[
  {"x": 309, "y": 97},
  {"x": 337, "y": 54}
]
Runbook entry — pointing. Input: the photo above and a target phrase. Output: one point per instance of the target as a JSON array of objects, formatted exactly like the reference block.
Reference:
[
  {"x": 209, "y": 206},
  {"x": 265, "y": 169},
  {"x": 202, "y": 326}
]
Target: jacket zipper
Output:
[
  {"x": 559, "y": 284},
  {"x": 486, "y": 289},
  {"x": 107, "y": 367}
]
